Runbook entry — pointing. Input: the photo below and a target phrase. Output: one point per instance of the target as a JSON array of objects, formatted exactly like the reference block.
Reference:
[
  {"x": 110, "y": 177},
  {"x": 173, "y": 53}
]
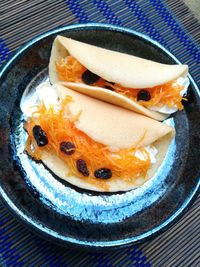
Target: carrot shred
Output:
[
  {"x": 167, "y": 94},
  {"x": 60, "y": 126},
  {"x": 69, "y": 69}
]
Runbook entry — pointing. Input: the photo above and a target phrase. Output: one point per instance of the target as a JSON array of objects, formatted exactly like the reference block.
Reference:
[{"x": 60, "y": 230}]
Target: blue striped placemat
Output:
[{"x": 168, "y": 22}]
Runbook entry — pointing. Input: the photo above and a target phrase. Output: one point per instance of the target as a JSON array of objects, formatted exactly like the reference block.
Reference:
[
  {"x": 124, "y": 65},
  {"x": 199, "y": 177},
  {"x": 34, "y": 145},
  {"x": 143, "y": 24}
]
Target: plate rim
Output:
[{"x": 64, "y": 240}]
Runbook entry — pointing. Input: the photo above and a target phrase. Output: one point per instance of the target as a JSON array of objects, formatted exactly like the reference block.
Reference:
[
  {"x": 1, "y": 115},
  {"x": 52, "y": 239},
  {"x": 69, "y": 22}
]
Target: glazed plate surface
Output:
[{"x": 64, "y": 213}]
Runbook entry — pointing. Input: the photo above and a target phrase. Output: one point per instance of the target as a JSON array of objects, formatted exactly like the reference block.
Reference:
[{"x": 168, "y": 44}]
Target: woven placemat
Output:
[{"x": 170, "y": 23}]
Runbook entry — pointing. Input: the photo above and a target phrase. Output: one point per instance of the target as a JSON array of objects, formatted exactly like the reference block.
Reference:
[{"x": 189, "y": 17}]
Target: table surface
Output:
[
  {"x": 173, "y": 25},
  {"x": 194, "y": 6}
]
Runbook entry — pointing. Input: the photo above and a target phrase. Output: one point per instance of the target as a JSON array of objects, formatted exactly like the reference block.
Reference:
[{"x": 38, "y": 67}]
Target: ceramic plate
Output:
[{"x": 66, "y": 214}]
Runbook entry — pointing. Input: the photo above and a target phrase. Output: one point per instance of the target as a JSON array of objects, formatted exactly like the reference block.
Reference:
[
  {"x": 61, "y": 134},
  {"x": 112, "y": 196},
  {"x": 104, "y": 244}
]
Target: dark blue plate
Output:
[{"x": 65, "y": 214}]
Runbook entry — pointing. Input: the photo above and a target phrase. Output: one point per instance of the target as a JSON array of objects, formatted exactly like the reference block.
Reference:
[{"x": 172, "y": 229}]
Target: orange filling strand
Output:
[
  {"x": 60, "y": 127},
  {"x": 69, "y": 69}
]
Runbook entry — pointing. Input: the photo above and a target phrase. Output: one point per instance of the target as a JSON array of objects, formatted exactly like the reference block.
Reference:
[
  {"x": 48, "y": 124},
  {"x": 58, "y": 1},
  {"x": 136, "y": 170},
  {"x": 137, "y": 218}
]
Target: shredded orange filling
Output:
[
  {"x": 69, "y": 69},
  {"x": 166, "y": 94},
  {"x": 59, "y": 127}
]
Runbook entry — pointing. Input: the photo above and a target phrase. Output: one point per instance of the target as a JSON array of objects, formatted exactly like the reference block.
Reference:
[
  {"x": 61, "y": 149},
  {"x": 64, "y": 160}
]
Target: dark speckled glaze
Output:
[{"x": 68, "y": 215}]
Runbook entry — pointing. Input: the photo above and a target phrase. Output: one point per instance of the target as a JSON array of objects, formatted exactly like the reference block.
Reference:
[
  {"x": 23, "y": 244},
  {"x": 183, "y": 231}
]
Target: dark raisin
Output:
[
  {"x": 40, "y": 136},
  {"x": 143, "y": 95},
  {"x": 187, "y": 98},
  {"x": 110, "y": 82},
  {"x": 109, "y": 87},
  {"x": 89, "y": 77},
  {"x": 67, "y": 148},
  {"x": 103, "y": 173},
  {"x": 82, "y": 167},
  {"x": 184, "y": 99}
]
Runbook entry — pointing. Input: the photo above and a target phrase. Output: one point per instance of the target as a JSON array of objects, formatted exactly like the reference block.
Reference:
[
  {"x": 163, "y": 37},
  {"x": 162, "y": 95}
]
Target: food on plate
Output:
[
  {"x": 153, "y": 89},
  {"x": 93, "y": 144}
]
